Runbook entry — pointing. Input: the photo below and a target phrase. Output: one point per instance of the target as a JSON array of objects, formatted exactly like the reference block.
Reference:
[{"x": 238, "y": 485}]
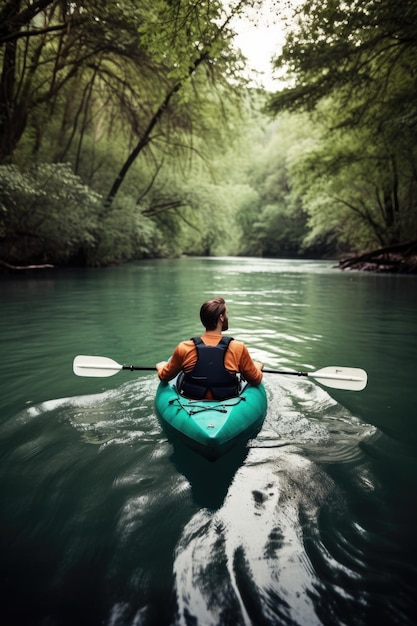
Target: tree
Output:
[
  {"x": 183, "y": 37},
  {"x": 352, "y": 65},
  {"x": 357, "y": 192},
  {"x": 352, "y": 49}
]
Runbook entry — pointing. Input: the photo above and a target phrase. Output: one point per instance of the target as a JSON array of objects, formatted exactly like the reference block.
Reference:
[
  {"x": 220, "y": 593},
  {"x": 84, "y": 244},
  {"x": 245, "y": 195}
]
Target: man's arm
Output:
[
  {"x": 167, "y": 370},
  {"x": 250, "y": 369}
]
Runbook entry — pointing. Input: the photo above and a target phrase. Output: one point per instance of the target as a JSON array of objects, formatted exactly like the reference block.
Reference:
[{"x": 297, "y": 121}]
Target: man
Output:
[{"x": 211, "y": 362}]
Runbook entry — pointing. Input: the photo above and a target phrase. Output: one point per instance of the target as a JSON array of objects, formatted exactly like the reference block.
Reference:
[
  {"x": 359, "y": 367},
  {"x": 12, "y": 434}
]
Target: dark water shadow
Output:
[{"x": 209, "y": 480}]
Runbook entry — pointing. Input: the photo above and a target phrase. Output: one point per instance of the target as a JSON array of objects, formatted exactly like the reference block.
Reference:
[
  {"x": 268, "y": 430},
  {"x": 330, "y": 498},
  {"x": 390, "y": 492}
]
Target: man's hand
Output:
[{"x": 159, "y": 367}]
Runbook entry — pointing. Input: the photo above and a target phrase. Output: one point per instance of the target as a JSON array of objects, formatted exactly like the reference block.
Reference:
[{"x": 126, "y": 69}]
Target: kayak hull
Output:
[{"x": 211, "y": 427}]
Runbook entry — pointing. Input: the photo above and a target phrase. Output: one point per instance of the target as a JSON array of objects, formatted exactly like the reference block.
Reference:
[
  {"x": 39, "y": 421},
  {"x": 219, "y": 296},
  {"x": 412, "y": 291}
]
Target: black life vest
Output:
[{"x": 209, "y": 373}]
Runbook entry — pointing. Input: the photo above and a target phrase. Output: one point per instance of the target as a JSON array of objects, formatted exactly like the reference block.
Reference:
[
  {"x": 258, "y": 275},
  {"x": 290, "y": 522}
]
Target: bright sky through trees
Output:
[{"x": 260, "y": 36}]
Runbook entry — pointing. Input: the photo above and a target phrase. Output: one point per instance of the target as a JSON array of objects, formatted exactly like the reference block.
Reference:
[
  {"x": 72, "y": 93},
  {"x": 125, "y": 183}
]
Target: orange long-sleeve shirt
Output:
[{"x": 237, "y": 359}]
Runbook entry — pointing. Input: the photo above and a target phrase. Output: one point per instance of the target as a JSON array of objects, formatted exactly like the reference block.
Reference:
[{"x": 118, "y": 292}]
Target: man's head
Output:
[{"x": 212, "y": 311}]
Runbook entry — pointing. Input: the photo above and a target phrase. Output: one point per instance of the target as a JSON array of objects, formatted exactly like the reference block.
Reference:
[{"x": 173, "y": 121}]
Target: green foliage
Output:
[
  {"x": 123, "y": 234},
  {"x": 176, "y": 34},
  {"x": 358, "y": 191},
  {"x": 354, "y": 50},
  {"x": 270, "y": 215},
  {"x": 352, "y": 65},
  {"x": 47, "y": 214},
  {"x": 281, "y": 231}
]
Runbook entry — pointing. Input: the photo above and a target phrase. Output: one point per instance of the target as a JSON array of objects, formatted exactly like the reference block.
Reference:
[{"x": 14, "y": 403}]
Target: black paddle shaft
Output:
[{"x": 135, "y": 368}]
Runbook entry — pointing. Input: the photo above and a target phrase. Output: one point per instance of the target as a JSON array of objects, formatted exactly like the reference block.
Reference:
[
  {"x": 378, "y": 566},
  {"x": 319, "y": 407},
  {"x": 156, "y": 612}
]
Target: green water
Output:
[{"x": 103, "y": 522}]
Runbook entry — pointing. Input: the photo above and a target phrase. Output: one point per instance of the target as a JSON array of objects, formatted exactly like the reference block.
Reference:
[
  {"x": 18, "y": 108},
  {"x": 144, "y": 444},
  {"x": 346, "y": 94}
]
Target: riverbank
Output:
[{"x": 395, "y": 259}]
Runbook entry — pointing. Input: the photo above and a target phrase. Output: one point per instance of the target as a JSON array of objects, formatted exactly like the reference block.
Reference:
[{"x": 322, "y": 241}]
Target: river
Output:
[{"x": 104, "y": 522}]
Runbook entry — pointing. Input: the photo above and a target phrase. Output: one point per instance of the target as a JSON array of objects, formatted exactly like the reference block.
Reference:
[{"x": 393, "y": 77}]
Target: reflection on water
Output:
[
  {"x": 254, "y": 577},
  {"x": 105, "y": 522},
  {"x": 209, "y": 482}
]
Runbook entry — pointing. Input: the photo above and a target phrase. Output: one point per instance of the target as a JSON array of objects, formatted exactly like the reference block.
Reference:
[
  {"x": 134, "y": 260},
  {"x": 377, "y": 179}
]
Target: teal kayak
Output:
[{"x": 211, "y": 427}]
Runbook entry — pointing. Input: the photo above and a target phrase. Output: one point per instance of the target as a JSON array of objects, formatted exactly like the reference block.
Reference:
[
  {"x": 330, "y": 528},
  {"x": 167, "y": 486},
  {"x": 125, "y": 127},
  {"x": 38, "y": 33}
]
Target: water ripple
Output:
[{"x": 303, "y": 414}]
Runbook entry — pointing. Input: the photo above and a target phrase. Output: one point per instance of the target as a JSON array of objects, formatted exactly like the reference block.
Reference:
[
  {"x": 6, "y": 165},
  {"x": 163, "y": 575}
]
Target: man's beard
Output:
[{"x": 225, "y": 325}]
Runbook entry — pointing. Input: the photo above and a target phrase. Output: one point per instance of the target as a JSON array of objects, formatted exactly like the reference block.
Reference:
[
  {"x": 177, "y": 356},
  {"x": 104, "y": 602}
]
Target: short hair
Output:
[{"x": 210, "y": 312}]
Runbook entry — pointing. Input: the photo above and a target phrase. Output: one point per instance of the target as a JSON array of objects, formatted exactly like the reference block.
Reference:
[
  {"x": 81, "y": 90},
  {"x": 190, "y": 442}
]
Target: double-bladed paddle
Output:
[{"x": 350, "y": 378}]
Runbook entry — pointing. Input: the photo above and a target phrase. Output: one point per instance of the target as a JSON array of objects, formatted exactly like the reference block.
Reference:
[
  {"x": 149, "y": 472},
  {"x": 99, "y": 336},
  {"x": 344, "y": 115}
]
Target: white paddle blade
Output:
[
  {"x": 97, "y": 366},
  {"x": 351, "y": 378}
]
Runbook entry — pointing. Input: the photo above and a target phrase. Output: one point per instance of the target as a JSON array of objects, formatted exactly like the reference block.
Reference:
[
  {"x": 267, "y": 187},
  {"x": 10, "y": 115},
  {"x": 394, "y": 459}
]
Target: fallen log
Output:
[
  {"x": 399, "y": 258},
  {"x": 9, "y": 266}
]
